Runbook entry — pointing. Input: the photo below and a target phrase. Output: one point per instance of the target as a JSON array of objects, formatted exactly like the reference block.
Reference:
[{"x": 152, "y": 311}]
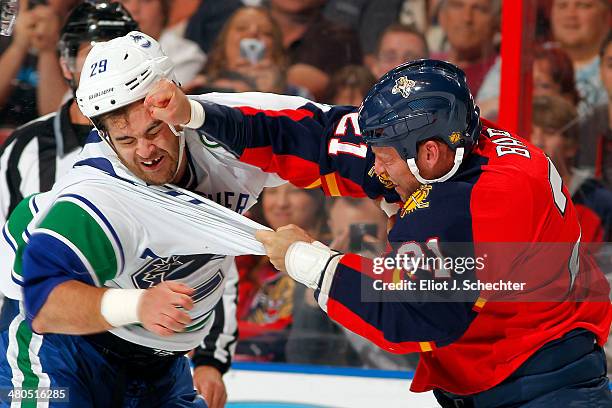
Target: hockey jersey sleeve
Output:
[
  {"x": 309, "y": 144},
  {"x": 59, "y": 249},
  {"x": 399, "y": 323},
  {"x": 218, "y": 346}
]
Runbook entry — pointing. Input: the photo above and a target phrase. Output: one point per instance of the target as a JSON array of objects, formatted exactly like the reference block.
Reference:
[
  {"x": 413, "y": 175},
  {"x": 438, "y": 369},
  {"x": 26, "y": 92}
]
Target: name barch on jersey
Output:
[{"x": 228, "y": 199}]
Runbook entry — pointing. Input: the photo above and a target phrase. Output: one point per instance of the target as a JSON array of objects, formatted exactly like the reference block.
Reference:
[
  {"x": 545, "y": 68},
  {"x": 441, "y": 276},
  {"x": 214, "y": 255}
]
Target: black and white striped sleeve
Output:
[
  {"x": 27, "y": 163},
  {"x": 217, "y": 348}
]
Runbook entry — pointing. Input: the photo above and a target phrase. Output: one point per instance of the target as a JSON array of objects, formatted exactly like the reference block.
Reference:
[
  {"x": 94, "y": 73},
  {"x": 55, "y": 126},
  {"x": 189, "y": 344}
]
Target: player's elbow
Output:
[{"x": 40, "y": 324}]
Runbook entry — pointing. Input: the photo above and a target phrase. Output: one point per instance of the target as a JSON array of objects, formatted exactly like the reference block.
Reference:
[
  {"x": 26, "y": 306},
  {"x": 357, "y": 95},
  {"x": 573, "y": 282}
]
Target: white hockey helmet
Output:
[{"x": 119, "y": 72}]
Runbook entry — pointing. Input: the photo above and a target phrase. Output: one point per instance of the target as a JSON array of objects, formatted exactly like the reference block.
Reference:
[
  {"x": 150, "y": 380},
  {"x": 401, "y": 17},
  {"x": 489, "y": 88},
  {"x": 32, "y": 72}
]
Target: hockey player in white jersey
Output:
[{"x": 120, "y": 269}]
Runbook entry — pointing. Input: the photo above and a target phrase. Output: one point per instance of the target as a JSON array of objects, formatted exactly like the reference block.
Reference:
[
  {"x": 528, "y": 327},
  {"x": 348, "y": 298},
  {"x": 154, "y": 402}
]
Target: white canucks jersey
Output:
[{"x": 103, "y": 226}]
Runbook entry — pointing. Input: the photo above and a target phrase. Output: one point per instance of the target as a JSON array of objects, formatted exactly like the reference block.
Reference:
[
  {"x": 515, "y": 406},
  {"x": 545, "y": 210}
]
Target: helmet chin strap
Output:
[
  {"x": 181, "y": 136},
  {"x": 415, "y": 170}
]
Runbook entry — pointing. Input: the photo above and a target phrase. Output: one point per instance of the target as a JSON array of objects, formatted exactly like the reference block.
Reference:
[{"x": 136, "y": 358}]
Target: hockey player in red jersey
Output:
[{"x": 466, "y": 190}]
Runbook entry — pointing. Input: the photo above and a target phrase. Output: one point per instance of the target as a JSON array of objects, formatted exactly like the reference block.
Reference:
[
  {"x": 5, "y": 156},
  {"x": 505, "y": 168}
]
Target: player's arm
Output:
[
  {"x": 67, "y": 260},
  {"x": 401, "y": 322},
  {"x": 306, "y": 143},
  {"x": 398, "y": 326},
  {"x": 303, "y": 142}
]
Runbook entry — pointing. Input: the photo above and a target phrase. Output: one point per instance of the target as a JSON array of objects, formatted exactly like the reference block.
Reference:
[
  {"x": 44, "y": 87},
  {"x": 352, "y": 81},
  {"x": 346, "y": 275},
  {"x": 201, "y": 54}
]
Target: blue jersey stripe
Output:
[{"x": 7, "y": 238}]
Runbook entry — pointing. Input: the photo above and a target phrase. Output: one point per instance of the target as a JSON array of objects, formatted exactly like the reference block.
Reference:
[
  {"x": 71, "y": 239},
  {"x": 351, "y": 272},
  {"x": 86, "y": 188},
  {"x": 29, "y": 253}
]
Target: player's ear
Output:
[
  {"x": 429, "y": 155},
  {"x": 65, "y": 70}
]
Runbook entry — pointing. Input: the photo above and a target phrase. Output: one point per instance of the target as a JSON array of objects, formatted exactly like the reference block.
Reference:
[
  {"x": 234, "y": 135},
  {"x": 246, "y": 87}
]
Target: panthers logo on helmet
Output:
[
  {"x": 383, "y": 178},
  {"x": 455, "y": 137},
  {"x": 404, "y": 86},
  {"x": 416, "y": 200}
]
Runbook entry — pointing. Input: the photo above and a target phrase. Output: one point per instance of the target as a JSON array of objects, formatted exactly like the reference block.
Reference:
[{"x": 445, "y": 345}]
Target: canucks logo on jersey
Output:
[{"x": 177, "y": 267}]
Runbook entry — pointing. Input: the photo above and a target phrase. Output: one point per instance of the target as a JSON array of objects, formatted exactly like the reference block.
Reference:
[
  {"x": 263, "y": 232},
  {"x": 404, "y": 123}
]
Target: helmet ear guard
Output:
[{"x": 419, "y": 101}]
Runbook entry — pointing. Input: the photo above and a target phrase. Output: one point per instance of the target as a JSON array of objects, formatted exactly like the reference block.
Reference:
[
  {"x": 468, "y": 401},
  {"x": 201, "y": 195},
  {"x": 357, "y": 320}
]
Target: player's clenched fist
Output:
[
  {"x": 277, "y": 243},
  {"x": 166, "y": 102},
  {"x": 158, "y": 309}
]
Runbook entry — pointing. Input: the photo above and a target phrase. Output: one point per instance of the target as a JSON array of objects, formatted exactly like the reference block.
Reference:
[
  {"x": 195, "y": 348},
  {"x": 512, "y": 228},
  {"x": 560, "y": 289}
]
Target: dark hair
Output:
[
  {"x": 561, "y": 68},
  {"x": 556, "y": 113},
  {"x": 402, "y": 28},
  {"x": 351, "y": 76}
]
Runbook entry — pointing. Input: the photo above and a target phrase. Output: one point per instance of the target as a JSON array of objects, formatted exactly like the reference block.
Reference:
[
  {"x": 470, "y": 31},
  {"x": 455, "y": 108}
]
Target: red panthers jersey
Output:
[{"x": 506, "y": 202}]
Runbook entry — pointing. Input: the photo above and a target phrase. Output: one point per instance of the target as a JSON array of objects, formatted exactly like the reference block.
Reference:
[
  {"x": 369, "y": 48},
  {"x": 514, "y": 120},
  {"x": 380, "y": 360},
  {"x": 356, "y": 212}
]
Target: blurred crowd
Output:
[{"x": 333, "y": 51}]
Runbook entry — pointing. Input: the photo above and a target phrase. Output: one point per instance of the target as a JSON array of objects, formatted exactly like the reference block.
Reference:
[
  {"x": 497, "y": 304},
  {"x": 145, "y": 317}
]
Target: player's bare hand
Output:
[
  {"x": 160, "y": 308},
  {"x": 209, "y": 383},
  {"x": 167, "y": 102},
  {"x": 277, "y": 243}
]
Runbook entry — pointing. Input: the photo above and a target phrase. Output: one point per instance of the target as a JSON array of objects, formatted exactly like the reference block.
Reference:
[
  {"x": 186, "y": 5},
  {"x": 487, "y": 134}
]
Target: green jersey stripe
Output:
[
  {"x": 97, "y": 215},
  {"x": 19, "y": 355},
  {"x": 30, "y": 379},
  {"x": 77, "y": 225}
]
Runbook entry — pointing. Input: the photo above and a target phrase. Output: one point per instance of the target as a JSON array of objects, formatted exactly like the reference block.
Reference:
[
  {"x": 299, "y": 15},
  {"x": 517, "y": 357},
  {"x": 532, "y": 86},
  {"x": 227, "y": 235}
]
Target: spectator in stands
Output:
[
  {"x": 580, "y": 26},
  {"x": 249, "y": 46},
  {"x": 314, "y": 339},
  {"x": 206, "y": 23},
  {"x": 346, "y": 211},
  {"x": 553, "y": 73},
  {"x": 470, "y": 27},
  {"x": 316, "y": 46},
  {"x": 350, "y": 85},
  {"x": 343, "y": 213},
  {"x": 265, "y": 295},
  {"x": 31, "y": 81},
  {"x": 555, "y": 131},
  {"x": 398, "y": 44},
  {"x": 152, "y": 18},
  {"x": 595, "y": 152},
  {"x": 604, "y": 165},
  {"x": 367, "y": 18}
]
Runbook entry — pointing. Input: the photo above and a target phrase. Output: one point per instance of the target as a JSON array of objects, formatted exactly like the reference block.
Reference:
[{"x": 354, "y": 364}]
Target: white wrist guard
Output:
[
  {"x": 305, "y": 262},
  {"x": 197, "y": 115},
  {"x": 119, "y": 307}
]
